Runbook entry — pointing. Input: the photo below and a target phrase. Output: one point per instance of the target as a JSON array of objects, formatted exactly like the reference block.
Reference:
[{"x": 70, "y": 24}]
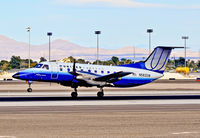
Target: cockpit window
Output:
[
  {"x": 46, "y": 67},
  {"x": 38, "y": 66}
]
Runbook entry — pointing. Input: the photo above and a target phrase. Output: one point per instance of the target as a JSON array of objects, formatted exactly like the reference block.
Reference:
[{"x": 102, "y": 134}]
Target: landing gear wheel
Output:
[
  {"x": 29, "y": 90},
  {"x": 100, "y": 94},
  {"x": 74, "y": 94}
]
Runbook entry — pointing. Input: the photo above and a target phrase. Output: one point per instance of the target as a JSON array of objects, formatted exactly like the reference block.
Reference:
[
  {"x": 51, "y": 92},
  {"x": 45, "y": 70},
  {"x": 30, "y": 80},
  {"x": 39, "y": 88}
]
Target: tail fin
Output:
[{"x": 158, "y": 59}]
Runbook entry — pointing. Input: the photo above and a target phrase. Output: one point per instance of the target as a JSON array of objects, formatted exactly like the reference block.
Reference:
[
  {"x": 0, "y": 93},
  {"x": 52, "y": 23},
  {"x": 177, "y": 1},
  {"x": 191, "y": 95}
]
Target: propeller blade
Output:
[{"x": 74, "y": 69}]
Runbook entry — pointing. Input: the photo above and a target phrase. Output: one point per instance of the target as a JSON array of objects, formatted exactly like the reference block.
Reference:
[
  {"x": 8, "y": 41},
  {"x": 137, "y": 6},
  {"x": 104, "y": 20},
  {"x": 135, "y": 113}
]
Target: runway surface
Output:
[
  {"x": 89, "y": 98},
  {"x": 140, "y": 114}
]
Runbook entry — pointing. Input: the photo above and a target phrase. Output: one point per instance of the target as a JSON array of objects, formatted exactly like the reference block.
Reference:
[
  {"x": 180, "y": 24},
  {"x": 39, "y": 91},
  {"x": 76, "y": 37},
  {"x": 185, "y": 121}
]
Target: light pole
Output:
[
  {"x": 49, "y": 34},
  {"x": 199, "y": 54},
  {"x": 174, "y": 61},
  {"x": 149, "y": 31},
  {"x": 185, "y": 38},
  {"x": 97, "y": 33},
  {"x": 28, "y": 29}
]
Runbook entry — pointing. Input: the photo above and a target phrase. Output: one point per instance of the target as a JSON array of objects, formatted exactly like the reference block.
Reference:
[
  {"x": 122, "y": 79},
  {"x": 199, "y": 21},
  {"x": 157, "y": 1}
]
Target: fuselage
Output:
[
  {"x": 60, "y": 72},
  {"x": 75, "y": 75}
]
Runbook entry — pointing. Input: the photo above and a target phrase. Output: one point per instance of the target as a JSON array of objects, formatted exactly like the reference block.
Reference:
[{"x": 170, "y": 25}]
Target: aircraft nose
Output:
[{"x": 16, "y": 75}]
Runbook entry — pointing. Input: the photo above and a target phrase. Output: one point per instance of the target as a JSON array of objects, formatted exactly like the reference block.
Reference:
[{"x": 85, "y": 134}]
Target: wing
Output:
[
  {"x": 112, "y": 77},
  {"x": 94, "y": 79},
  {"x": 86, "y": 74}
]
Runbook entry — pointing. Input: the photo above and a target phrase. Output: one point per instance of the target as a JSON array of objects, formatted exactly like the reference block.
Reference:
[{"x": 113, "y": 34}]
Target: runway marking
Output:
[
  {"x": 64, "y": 93},
  {"x": 124, "y": 102},
  {"x": 8, "y": 137},
  {"x": 181, "y": 133}
]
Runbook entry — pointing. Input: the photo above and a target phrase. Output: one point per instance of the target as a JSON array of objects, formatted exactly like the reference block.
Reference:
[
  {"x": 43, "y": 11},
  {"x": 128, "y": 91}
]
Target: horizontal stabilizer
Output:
[{"x": 169, "y": 47}]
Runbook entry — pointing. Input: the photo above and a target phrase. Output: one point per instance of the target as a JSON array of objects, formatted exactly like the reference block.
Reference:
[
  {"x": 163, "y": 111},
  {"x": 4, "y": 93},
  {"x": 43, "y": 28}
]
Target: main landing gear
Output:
[
  {"x": 100, "y": 94},
  {"x": 74, "y": 94}
]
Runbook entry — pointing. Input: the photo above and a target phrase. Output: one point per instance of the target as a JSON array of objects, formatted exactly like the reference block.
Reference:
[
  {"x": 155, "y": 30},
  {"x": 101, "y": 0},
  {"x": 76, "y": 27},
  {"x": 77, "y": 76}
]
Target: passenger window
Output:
[{"x": 46, "y": 67}]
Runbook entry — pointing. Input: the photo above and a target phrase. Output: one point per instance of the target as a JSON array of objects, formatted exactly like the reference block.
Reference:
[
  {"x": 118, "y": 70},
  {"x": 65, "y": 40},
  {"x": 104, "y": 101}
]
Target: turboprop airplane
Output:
[{"x": 77, "y": 75}]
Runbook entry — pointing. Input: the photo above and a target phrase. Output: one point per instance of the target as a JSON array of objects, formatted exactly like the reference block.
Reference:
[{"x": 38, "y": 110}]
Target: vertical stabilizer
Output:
[{"x": 158, "y": 59}]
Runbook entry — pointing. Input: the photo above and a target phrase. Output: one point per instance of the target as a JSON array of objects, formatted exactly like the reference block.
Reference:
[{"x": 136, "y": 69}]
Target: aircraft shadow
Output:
[{"x": 93, "y": 98}]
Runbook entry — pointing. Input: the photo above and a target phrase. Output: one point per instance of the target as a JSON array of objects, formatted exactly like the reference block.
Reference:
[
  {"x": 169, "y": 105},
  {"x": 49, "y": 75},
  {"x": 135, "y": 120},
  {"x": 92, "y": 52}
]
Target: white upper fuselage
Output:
[{"x": 102, "y": 70}]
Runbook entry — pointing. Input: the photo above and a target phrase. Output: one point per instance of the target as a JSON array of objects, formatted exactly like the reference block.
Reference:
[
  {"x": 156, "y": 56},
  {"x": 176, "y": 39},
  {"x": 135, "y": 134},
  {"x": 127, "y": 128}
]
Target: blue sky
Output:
[{"x": 122, "y": 22}]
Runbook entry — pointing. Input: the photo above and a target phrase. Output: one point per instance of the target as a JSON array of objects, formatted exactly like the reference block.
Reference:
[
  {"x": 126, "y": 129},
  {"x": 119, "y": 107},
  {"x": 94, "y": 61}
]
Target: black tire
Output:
[
  {"x": 100, "y": 94},
  {"x": 74, "y": 94},
  {"x": 29, "y": 90}
]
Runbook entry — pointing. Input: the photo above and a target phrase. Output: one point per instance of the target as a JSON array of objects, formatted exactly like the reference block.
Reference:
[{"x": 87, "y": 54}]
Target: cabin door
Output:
[{"x": 54, "y": 71}]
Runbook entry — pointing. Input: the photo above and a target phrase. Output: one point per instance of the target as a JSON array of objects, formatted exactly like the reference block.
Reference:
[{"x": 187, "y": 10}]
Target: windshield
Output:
[
  {"x": 38, "y": 66},
  {"x": 46, "y": 67}
]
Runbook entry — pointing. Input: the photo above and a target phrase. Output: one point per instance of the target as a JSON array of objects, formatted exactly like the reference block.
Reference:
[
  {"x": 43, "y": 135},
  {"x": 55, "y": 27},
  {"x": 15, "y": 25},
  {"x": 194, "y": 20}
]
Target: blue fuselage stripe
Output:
[{"x": 46, "y": 76}]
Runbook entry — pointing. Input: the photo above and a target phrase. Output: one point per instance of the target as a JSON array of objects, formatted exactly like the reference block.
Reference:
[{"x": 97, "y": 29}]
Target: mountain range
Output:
[{"x": 62, "y": 48}]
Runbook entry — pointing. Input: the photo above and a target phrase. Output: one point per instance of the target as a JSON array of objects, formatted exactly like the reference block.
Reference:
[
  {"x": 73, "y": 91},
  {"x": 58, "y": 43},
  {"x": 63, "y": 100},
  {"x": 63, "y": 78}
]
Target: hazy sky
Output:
[{"x": 122, "y": 22}]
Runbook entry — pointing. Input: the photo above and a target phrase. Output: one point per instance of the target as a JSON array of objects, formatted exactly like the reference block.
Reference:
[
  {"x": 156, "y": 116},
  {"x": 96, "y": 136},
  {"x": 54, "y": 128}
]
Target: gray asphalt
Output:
[
  {"x": 119, "y": 114},
  {"x": 119, "y": 98}
]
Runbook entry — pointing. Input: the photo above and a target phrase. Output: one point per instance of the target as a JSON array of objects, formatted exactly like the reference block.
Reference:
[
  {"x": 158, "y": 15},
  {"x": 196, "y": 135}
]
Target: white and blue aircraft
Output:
[{"x": 77, "y": 75}]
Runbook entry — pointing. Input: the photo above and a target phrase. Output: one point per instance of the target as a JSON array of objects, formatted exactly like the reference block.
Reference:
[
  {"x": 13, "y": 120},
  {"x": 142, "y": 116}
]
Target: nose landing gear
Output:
[{"x": 29, "y": 86}]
